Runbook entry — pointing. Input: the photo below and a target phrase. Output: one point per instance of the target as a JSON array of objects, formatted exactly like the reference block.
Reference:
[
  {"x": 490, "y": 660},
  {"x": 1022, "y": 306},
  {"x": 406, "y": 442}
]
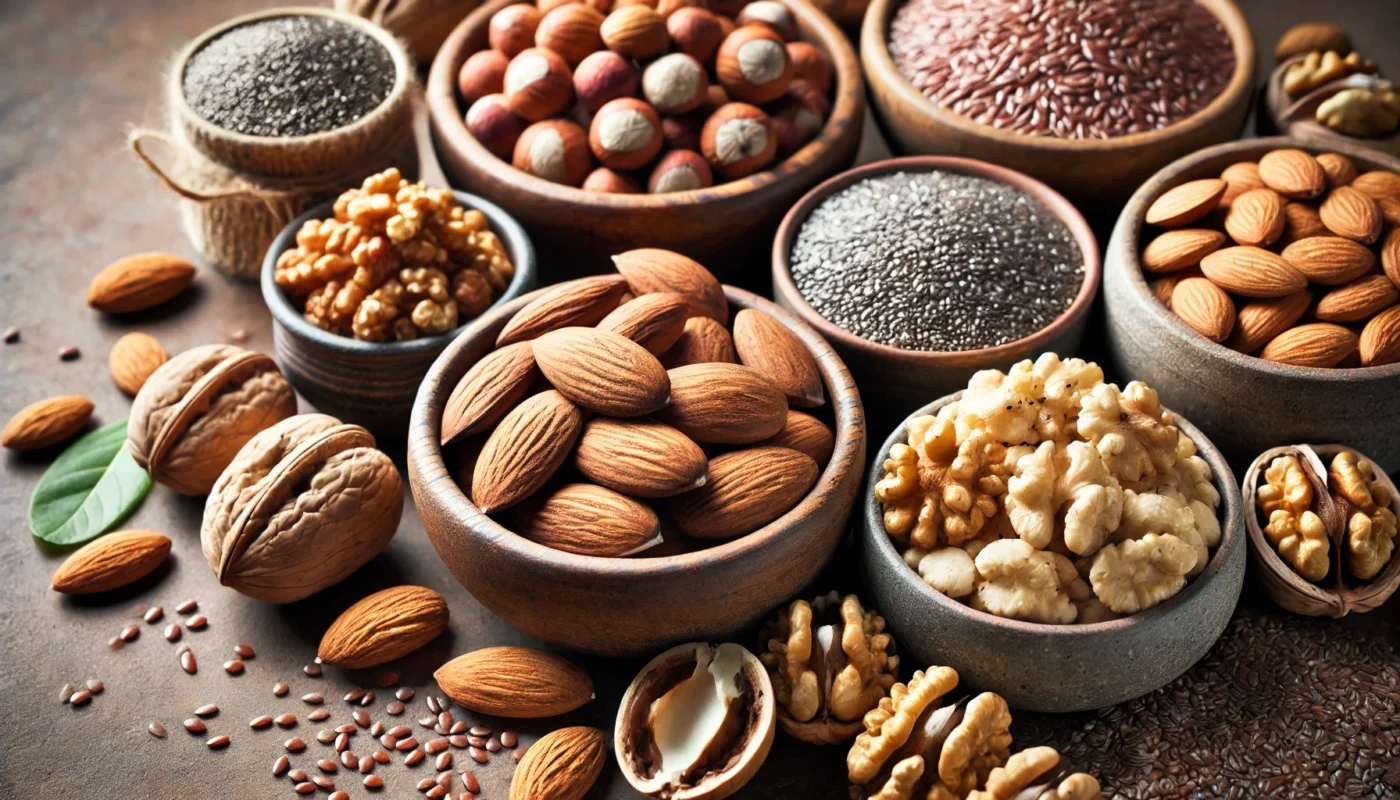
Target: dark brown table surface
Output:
[{"x": 74, "y": 74}]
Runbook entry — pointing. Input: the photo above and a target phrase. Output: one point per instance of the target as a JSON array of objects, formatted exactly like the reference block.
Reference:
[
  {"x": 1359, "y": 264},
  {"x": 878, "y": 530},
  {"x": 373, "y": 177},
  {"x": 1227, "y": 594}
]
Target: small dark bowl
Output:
[
  {"x": 372, "y": 383},
  {"x": 1058, "y": 668}
]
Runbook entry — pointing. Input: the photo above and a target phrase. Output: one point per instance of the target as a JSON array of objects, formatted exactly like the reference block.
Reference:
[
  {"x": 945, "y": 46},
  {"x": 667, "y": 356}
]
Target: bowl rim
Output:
[
  {"x": 1127, "y": 235},
  {"x": 511, "y": 233},
  {"x": 448, "y": 121},
  {"x": 785, "y": 287},
  {"x": 1232, "y": 538},
  {"x": 880, "y": 67},
  {"x": 426, "y": 459}
]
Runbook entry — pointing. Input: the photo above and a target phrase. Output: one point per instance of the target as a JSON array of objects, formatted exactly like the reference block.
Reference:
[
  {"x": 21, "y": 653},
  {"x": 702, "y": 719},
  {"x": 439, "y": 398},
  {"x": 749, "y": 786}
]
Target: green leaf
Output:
[{"x": 89, "y": 489}]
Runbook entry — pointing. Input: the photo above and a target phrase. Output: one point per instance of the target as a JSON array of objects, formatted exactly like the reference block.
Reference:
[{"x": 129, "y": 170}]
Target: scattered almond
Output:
[
  {"x": 1252, "y": 272},
  {"x": 650, "y": 270},
  {"x": 579, "y": 302},
  {"x": 1358, "y": 300},
  {"x": 132, "y": 360},
  {"x": 1301, "y": 221},
  {"x": 1341, "y": 171},
  {"x": 1180, "y": 249},
  {"x": 1329, "y": 260},
  {"x": 1319, "y": 344},
  {"x": 111, "y": 562},
  {"x": 806, "y": 434},
  {"x": 1293, "y": 173},
  {"x": 386, "y": 625},
  {"x": 562, "y": 765},
  {"x": 1380, "y": 339},
  {"x": 46, "y": 422},
  {"x": 139, "y": 282},
  {"x": 514, "y": 682},
  {"x": 724, "y": 404},
  {"x": 1378, "y": 185},
  {"x": 1347, "y": 212},
  {"x": 1205, "y": 307},
  {"x": 1184, "y": 204},
  {"x": 769, "y": 347},
  {"x": 1256, "y": 218},
  {"x": 641, "y": 458},
  {"x": 524, "y": 451},
  {"x": 1259, "y": 321},
  {"x": 703, "y": 341},
  {"x": 603, "y": 371},
  {"x": 654, "y": 321},
  {"x": 589, "y": 520},
  {"x": 747, "y": 490},
  {"x": 490, "y": 388}
]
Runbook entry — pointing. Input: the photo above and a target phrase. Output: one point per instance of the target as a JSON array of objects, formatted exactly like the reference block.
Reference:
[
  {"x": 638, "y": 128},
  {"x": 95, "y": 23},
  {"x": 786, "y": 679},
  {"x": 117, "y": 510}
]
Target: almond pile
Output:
[
  {"x": 619, "y": 406},
  {"x": 1294, "y": 259}
]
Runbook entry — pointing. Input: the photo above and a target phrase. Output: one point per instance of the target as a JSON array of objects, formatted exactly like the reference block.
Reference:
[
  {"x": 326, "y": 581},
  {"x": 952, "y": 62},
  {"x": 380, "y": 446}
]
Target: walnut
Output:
[
  {"x": 1370, "y": 531},
  {"x": 981, "y": 742},
  {"x": 1020, "y": 770},
  {"x": 1319, "y": 68},
  {"x": 1030, "y": 403},
  {"x": 433, "y": 317},
  {"x": 1294, "y": 529},
  {"x": 950, "y": 570},
  {"x": 1091, "y": 497},
  {"x": 471, "y": 292},
  {"x": 831, "y": 661},
  {"x": 1137, "y": 574},
  {"x": 937, "y": 489},
  {"x": 1129, "y": 429},
  {"x": 423, "y": 283},
  {"x": 1362, "y": 111},
  {"x": 1162, "y": 513},
  {"x": 889, "y": 725},
  {"x": 1030, "y": 497},
  {"x": 1020, "y": 582}
]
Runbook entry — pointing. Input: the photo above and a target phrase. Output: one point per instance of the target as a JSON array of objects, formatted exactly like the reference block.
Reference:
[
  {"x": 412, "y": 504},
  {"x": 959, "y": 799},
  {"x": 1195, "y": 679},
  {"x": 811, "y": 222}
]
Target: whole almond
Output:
[
  {"x": 1390, "y": 256},
  {"x": 490, "y": 388},
  {"x": 386, "y": 625},
  {"x": 769, "y": 347},
  {"x": 1341, "y": 171},
  {"x": 1293, "y": 173},
  {"x": 724, "y": 404},
  {"x": 1205, "y": 307},
  {"x": 1319, "y": 344},
  {"x": 562, "y": 765},
  {"x": 46, "y": 422},
  {"x": 654, "y": 321},
  {"x": 139, "y": 282},
  {"x": 703, "y": 341},
  {"x": 1380, "y": 339},
  {"x": 1347, "y": 212},
  {"x": 650, "y": 270},
  {"x": 747, "y": 490},
  {"x": 1301, "y": 221},
  {"x": 579, "y": 302},
  {"x": 640, "y": 458},
  {"x": 132, "y": 360},
  {"x": 1184, "y": 204},
  {"x": 1165, "y": 287},
  {"x": 514, "y": 682},
  {"x": 806, "y": 434},
  {"x": 1305, "y": 37},
  {"x": 1390, "y": 212},
  {"x": 1378, "y": 185},
  {"x": 1252, "y": 272},
  {"x": 1259, "y": 321},
  {"x": 111, "y": 562},
  {"x": 590, "y": 521},
  {"x": 1240, "y": 177},
  {"x": 523, "y": 451},
  {"x": 603, "y": 372},
  {"x": 1358, "y": 300},
  {"x": 1329, "y": 260},
  {"x": 1256, "y": 218},
  {"x": 1180, "y": 249}
]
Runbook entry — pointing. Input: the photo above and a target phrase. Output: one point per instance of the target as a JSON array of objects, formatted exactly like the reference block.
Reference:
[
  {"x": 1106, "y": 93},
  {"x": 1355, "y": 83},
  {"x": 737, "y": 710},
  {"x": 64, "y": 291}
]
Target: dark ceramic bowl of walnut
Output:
[
  {"x": 1247, "y": 404},
  {"x": 632, "y": 605},
  {"x": 1058, "y": 668},
  {"x": 371, "y": 384}
]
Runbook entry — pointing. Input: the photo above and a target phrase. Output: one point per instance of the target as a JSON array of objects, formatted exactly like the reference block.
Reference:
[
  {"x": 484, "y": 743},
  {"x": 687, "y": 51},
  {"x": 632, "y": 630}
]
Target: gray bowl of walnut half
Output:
[{"x": 1058, "y": 668}]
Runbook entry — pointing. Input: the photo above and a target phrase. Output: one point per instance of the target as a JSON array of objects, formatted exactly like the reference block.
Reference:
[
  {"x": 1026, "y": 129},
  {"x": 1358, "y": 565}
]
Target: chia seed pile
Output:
[
  {"x": 936, "y": 261},
  {"x": 288, "y": 76}
]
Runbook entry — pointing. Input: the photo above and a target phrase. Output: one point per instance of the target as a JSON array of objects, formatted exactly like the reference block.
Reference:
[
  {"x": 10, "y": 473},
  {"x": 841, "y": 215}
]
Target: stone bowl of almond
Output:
[
  {"x": 625, "y": 461},
  {"x": 1257, "y": 285}
]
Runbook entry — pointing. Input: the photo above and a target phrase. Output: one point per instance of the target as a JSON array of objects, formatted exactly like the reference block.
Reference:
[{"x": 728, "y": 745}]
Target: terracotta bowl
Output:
[
  {"x": 631, "y": 606},
  {"x": 710, "y": 225},
  {"x": 1246, "y": 404},
  {"x": 371, "y": 383},
  {"x": 1087, "y": 170},
  {"x": 895, "y": 381},
  {"x": 1058, "y": 668}
]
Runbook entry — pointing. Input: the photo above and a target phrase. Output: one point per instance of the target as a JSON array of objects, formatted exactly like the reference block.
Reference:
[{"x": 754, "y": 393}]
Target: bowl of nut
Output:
[
  {"x": 366, "y": 290},
  {"x": 1257, "y": 284},
  {"x": 683, "y": 125},
  {"x": 1056, "y": 539}
]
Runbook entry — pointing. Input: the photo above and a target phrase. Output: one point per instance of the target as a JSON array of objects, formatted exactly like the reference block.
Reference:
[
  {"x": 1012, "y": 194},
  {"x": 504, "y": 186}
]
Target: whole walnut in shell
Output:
[
  {"x": 195, "y": 412},
  {"x": 304, "y": 504}
]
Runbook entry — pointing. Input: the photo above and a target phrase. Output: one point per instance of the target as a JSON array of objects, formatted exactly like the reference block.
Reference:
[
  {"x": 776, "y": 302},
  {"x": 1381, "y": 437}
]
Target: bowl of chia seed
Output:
[{"x": 921, "y": 271}]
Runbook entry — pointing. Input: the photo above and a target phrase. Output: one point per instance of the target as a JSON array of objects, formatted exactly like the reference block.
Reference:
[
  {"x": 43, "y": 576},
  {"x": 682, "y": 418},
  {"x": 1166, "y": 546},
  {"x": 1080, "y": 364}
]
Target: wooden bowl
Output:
[
  {"x": 1246, "y": 404},
  {"x": 631, "y": 606},
  {"x": 894, "y": 381},
  {"x": 1058, "y": 668},
  {"x": 1088, "y": 171},
  {"x": 1296, "y": 118},
  {"x": 585, "y": 228},
  {"x": 371, "y": 383}
]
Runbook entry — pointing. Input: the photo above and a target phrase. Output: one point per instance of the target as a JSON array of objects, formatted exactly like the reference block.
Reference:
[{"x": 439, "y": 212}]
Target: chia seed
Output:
[
  {"x": 936, "y": 261},
  {"x": 288, "y": 76}
]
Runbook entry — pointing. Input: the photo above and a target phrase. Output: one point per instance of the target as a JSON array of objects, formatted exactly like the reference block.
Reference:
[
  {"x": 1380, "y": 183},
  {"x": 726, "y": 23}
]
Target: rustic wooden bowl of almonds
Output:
[
  {"x": 1280, "y": 322},
  {"x": 616, "y": 476}
]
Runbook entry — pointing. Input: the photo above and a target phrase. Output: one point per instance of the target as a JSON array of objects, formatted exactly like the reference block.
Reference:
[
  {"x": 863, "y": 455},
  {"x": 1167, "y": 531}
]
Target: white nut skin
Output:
[
  {"x": 738, "y": 140},
  {"x": 625, "y": 134},
  {"x": 605, "y": 76},
  {"x": 680, "y": 171},
  {"x": 772, "y": 14},
  {"x": 512, "y": 29},
  {"x": 556, "y": 150},
  {"x": 675, "y": 84},
  {"x": 490, "y": 120},
  {"x": 753, "y": 65},
  {"x": 538, "y": 84},
  {"x": 482, "y": 74}
]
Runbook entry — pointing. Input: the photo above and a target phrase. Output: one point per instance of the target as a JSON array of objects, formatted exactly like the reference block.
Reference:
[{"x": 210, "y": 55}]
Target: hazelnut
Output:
[
  {"x": 798, "y": 116},
  {"x": 668, "y": 7},
  {"x": 771, "y": 13},
  {"x": 715, "y": 96},
  {"x": 695, "y": 32},
  {"x": 556, "y": 150},
  {"x": 683, "y": 132},
  {"x": 605, "y": 180},
  {"x": 680, "y": 171},
  {"x": 626, "y": 134},
  {"x": 674, "y": 83},
  {"x": 538, "y": 84},
  {"x": 636, "y": 32},
  {"x": 512, "y": 29},
  {"x": 492, "y": 123},
  {"x": 572, "y": 31},
  {"x": 811, "y": 64},
  {"x": 737, "y": 140},
  {"x": 546, "y": 6},
  {"x": 482, "y": 74},
  {"x": 752, "y": 64},
  {"x": 605, "y": 76}
]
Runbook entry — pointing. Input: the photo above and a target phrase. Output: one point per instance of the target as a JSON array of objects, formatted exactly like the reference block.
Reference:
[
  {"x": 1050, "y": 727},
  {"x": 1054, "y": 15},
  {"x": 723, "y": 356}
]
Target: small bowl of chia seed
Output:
[{"x": 921, "y": 271}]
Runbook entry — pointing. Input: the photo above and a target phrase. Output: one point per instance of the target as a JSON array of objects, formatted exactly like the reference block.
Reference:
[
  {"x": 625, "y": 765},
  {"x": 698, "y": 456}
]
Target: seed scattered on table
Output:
[
  {"x": 197, "y": 623},
  {"x": 426, "y": 783},
  {"x": 328, "y": 766},
  {"x": 444, "y": 779},
  {"x": 172, "y": 632},
  {"x": 457, "y": 727},
  {"x": 325, "y": 736},
  {"x": 297, "y": 775},
  {"x": 427, "y": 722},
  {"x": 444, "y": 761},
  {"x": 445, "y": 719},
  {"x": 478, "y": 755},
  {"x": 354, "y": 695},
  {"x": 11, "y": 335},
  {"x": 286, "y": 720},
  {"x": 415, "y": 758},
  {"x": 368, "y": 699},
  {"x": 130, "y": 632},
  {"x": 458, "y": 741},
  {"x": 218, "y": 742},
  {"x": 433, "y": 705},
  {"x": 80, "y": 698},
  {"x": 338, "y": 794},
  {"x": 323, "y": 783},
  {"x": 157, "y": 730},
  {"x": 318, "y": 715},
  {"x": 366, "y": 764},
  {"x": 188, "y": 662},
  {"x": 116, "y": 642},
  {"x": 280, "y": 689},
  {"x": 377, "y": 729},
  {"x": 187, "y": 607},
  {"x": 472, "y": 784},
  {"x": 195, "y": 726},
  {"x": 394, "y": 708},
  {"x": 294, "y": 744},
  {"x": 406, "y": 744},
  {"x": 313, "y": 698},
  {"x": 69, "y": 353},
  {"x": 373, "y": 782},
  {"x": 404, "y": 694},
  {"x": 66, "y": 693},
  {"x": 280, "y": 766},
  {"x": 518, "y": 753},
  {"x": 243, "y": 651},
  {"x": 206, "y": 710},
  {"x": 305, "y": 787},
  {"x": 234, "y": 667},
  {"x": 361, "y": 717},
  {"x": 380, "y": 756},
  {"x": 344, "y": 728},
  {"x": 479, "y": 730},
  {"x": 399, "y": 731},
  {"x": 435, "y": 746},
  {"x": 509, "y": 739},
  {"x": 348, "y": 759},
  {"x": 476, "y": 741},
  {"x": 342, "y": 741},
  {"x": 258, "y": 723},
  {"x": 153, "y": 614},
  {"x": 314, "y": 670}
]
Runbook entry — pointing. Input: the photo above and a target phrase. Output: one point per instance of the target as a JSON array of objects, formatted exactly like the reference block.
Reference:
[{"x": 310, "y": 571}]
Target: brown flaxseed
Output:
[
  {"x": 366, "y": 764},
  {"x": 197, "y": 623},
  {"x": 314, "y": 670},
  {"x": 368, "y": 699},
  {"x": 377, "y": 729},
  {"x": 157, "y": 730},
  {"x": 260, "y": 722},
  {"x": 437, "y": 792},
  {"x": 380, "y": 756},
  {"x": 444, "y": 761},
  {"x": 518, "y": 753},
  {"x": 11, "y": 335},
  {"x": 445, "y": 719},
  {"x": 457, "y": 727},
  {"x": 415, "y": 758},
  {"x": 479, "y": 730},
  {"x": 280, "y": 766},
  {"x": 218, "y": 742},
  {"x": 69, "y": 353},
  {"x": 280, "y": 689},
  {"x": 388, "y": 741},
  {"x": 354, "y": 695},
  {"x": 322, "y": 782},
  {"x": 404, "y": 693},
  {"x": 470, "y": 781},
  {"x": 234, "y": 667},
  {"x": 394, "y": 708},
  {"x": 509, "y": 739},
  {"x": 195, "y": 726},
  {"x": 116, "y": 642},
  {"x": 243, "y": 651},
  {"x": 80, "y": 698},
  {"x": 345, "y": 728},
  {"x": 66, "y": 693},
  {"x": 458, "y": 741},
  {"x": 153, "y": 614},
  {"x": 476, "y": 741},
  {"x": 187, "y": 606},
  {"x": 206, "y": 710},
  {"x": 325, "y": 736},
  {"x": 318, "y": 715},
  {"x": 286, "y": 720},
  {"x": 433, "y": 705},
  {"x": 399, "y": 731},
  {"x": 342, "y": 742},
  {"x": 328, "y": 766},
  {"x": 428, "y": 722},
  {"x": 297, "y": 775},
  {"x": 493, "y": 746},
  {"x": 426, "y": 783},
  {"x": 313, "y": 698},
  {"x": 188, "y": 662},
  {"x": 338, "y": 794},
  {"x": 294, "y": 745},
  {"x": 406, "y": 744},
  {"x": 172, "y": 632},
  {"x": 444, "y": 779},
  {"x": 305, "y": 787},
  {"x": 435, "y": 746},
  {"x": 349, "y": 759},
  {"x": 478, "y": 755},
  {"x": 373, "y": 782},
  {"x": 361, "y": 717},
  {"x": 130, "y": 632}
]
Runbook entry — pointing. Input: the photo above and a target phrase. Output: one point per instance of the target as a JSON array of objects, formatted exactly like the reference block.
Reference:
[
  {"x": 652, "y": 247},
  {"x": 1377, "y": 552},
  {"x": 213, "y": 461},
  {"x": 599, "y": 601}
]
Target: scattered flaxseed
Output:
[
  {"x": 439, "y": 729},
  {"x": 435, "y": 746},
  {"x": 280, "y": 766},
  {"x": 238, "y": 336},
  {"x": 404, "y": 693},
  {"x": 157, "y": 730},
  {"x": 457, "y": 727},
  {"x": 338, "y": 794},
  {"x": 258, "y": 723},
  {"x": 286, "y": 720},
  {"x": 444, "y": 760},
  {"x": 314, "y": 670},
  {"x": 243, "y": 651},
  {"x": 377, "y": 729},
  {"x": 11, "y": 335},
  {"x": 116, "y": 642},
  {"x": 427, "y": 722},
  {"x": 470, "y": 781},
  {"x": 69, "y": 353},
  {"x": 458, "y": 741},
  {"x": 66, "y": 693},
  {"x": 297, "y": 775},
  {"x": 325, "y": 736},
  {"x": 518, "y": 753},
  {"x": 206, "y": 710},
  {"x": 380, "y": 756},
  {"x": 94, "y": 685},
  {"x": 437, "y": 792},
  {"x": 368, "y": 699},
  {"x": 361, "y": 717},
  {"x": 373, "y": 782},
  {"x": 305, "y": 787},
  {"x": 234, "y": 667},
  {"x": 195, "y": 726},
  {"x": 444, "y": 779},
  {"x": 345, "y": 728},
  {"x": 188, "y": 662},
  {"x": 387, "y": 679},
  {"x": 342, "y": 742},
  {"x": 318, "y": 715},
  {"x": 426, "y": 783},
  {"x": 153, "y": 614},
  {"x": 478, "y": 755},
  {"x": 479, "y": 730},
  {"x": 218, "y": 742},
  {"x": 509, "y": 739},
  {"x": 327, "y": 766},
  {"x": 366, "y": 764},
  {"x": 197, "y": 622},
  {"x": 80, "y": 698},
  {"x": 433, "y": 705},
  {"x": 493, "y": 746},
  {"x": 172, "y": 632},
  {"x": 406, "y": 744},
  {"x": 187, "y": 606},
  {"x": 349, "y": 760},
  {"x": 353, "y": 696},
  {"x": 476, "y": 741},
  {"x": 400, "y": 731},
  {"x": 388, "y": 741},
  {"x": 313, "y": 698},
  {"x": 445, "y": 719},
  {"x": 294, "y": 744},
  {"x": 415, "y": 758},
  {"x": 280, "y": 689},
  {"x": 394, "y": 708},
  {"x": 130, "y": 632},
  {"x": 323, "y": 783}
]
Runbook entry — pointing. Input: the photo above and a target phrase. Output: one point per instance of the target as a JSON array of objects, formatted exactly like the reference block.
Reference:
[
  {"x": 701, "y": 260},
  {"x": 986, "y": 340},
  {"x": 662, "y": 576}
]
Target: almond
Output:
[
  {"x": 1184, "y": 204},
  {"x": 769, "y": 347},
  {"x": 132, "y": 360},
  {"x": 1358, "y": 300},
  {"x": 806, "y": 434},
  {"x": 703, "y": 341},
  {"x": 46, "y": 423},
  {"x": 654, "y": 321},
  {"x": 111, "y": 562},
  {"x": 640, "y": 458},
  {"x": 139, "y": 282},
  {"x": 1390, "y": 212},
  {"x": 1180, "y": 249},
  {"x": 388, "y": 624},
  {"x": 489, "y": 389},
  {"x": 1340, "y": 169},
  {"x": 590, "y": 521},
  {"x": 1259, "y": 321},
  {"x": 1252, "y": 272},
  {"x": 525, "y": 450},
  {"x": 580, "y": 302},
  {"x": 1319, "y": 344},
  {"x": 603, "y": 372},
  {"x": 1301, "y": 221},
  {"x": 652, "y": 270},
  {"x": 1240, "y": 177},
  {"x": 1205, "y": 307},
  {"x": 747, "y": 490},
  {"x": 1293, "y": 173},
  {"x": 1380, "y": 339},
  {"x": 562, "y": 765},
  {"x": 724, "y": 404},
  {"x": 1378, "y": 185},
  {"x": 1329, "y": 260},
  {"x": 1390, "y": 256},
  {"x": 1165, "y": 287},
  {"x": 1347, "y": 212},
  {"x": 1256, "y": 217},
  {"x": 514, "y": 682},
  {"x": 1305, "y": 37}
]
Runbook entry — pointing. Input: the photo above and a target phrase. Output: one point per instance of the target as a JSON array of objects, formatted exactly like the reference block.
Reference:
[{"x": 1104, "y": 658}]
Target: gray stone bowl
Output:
[
  {"x": 1246, "y": 404},
  {"x": 1057, "y": 668}
]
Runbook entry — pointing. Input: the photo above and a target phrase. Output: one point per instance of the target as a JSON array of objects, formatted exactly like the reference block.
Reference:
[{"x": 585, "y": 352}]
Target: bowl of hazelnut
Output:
[
  {"x": 679, "y": 124},
  {"x": 1058, "y": 540},
  {"x": 367, "y": 289}
]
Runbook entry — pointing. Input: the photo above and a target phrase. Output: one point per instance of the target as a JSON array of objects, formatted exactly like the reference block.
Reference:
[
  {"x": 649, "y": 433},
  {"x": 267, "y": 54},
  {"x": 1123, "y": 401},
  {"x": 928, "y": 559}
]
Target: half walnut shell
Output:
[{"x": 304, "y": 504}]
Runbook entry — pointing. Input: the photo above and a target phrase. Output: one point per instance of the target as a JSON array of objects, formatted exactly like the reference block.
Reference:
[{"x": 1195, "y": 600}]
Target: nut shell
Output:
[
  {"x": 811, "y": 64},
  {"x": 680, "y": 171},
  {"x": 636, "y": 32},
  {"x": 573, "y": 31},
  {"x": 538, "y": 84},
  {"x": 111, "y": 562},
  {"x": 134, "y": 358},
  {"x": 752, "y": 64},
  {"x": 695, "y": 32},
  {"x": 771, "y": 14},
  {"x": 483, "y": 73},
  {"x": 46, "y": 423},
  {"x": 625, "y": 134},
  {"x": 738, "y": 140},
  {"x": 562, "y": 765},
  {"x": 512, "y": 29},
  {"x": 605, "y": 76},
  {"x": 493, "y": 124},
  {"x": 139, "y": 282},
  {"x": 675, "y": 84},
  {"x": 555, "y": 150},
  {"x": 610, "y": 181}
]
